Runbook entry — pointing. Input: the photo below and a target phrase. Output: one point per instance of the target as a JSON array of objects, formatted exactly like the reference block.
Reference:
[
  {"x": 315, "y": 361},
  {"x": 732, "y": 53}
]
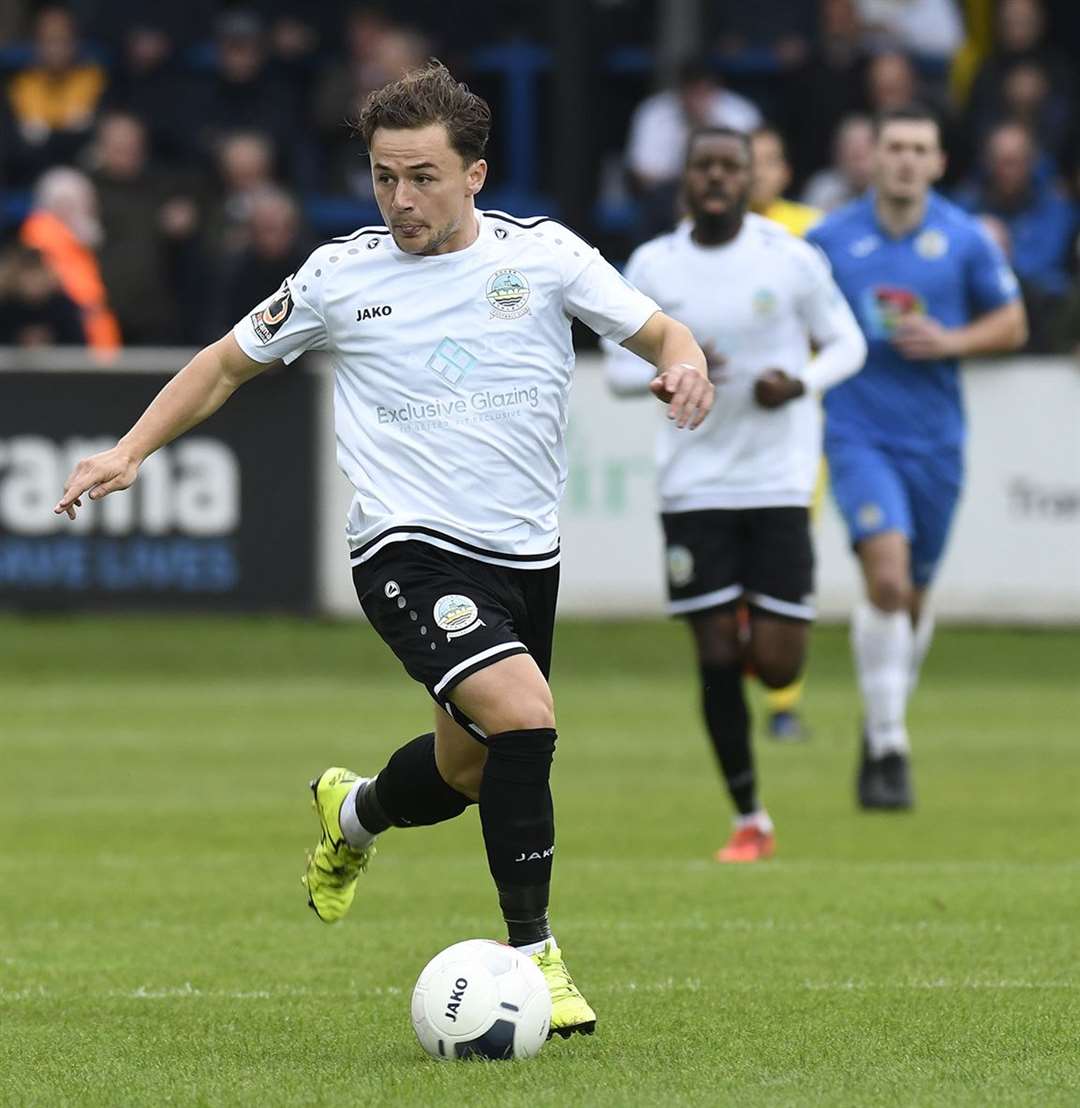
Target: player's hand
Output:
[
  {"x": 688, "y": 391},
  {"x": 100, "y": 474},
  {"x": 923, "y": 339},
  {"x": 774, "y": 388}
]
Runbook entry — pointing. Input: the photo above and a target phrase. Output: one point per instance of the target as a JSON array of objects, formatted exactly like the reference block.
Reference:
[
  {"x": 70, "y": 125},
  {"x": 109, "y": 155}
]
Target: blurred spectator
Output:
[
  {"x": 146, "y": 222},
  {"x": 33, "y": 308},
  {"x": 659, "y": 130},
  {"x": 891, "y": 82},
  {"x": 376, "y": 52},
  {"x": 829, "y": 87},
  {"x": 931, "y": 29},
  {"x": 147, "y": 82},
  {"x": 1036, "y": 223},
  {"x": 53, "y": 101},
  {"x": 245, "y": 168},
  {"x": 784, "y": 27},
  {"x": 274, "y": 250},
  {"x": 243, "y": 95},
  {"x": 849, "y": 175},
  {"x": 65, "y": 227},
  {"x": 772, "y": 175}
]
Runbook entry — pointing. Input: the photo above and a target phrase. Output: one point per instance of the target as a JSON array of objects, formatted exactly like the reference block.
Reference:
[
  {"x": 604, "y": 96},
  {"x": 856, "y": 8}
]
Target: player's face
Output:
[
  {"x": 717, "y": 178},
  {"x": 423, "y": 188},
  {"x": 907, "y": 159},
  {"x": 771, "y": 171}
]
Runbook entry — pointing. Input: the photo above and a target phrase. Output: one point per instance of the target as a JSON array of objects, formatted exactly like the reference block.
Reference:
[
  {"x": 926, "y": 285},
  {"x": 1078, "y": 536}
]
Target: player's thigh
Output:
[
  {"x": 778, "y": 646},
  {"x": 460, "y": 756},
  {"x": 869, "y": 490},
  {"x": 508, "y": 695},
  {"x": 703, "y": 560},
  {"x": 934, "y": 482},
  {"x": 445, "y": 617}
]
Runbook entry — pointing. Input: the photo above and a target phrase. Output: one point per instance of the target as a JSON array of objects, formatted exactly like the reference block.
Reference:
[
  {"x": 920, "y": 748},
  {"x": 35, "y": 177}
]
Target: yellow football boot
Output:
[
  {"x": 334, "y": 867},
  {"x": 570, "y": 1011}
]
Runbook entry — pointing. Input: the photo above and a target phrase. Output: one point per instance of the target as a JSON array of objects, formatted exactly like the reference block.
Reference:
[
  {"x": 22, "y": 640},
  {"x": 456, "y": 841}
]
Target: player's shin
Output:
[
  {"x": 519, "y": 830},
  {"x": 883, "y": 646},
  {"x": 728, "y": 722},
  {"x": 409, "y": 792}
]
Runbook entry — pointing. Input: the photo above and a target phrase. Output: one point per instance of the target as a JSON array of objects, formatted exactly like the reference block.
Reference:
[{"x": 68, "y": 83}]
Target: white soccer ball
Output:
[{"x": 481, "y": 999}]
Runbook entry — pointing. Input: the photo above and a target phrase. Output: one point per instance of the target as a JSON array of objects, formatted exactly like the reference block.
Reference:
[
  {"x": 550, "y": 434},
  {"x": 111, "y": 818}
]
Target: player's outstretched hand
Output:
[
  {"x": 921, "y": 338},
  {"x": 100, "y": 474},
  {"x": 687, "y": 390},
  {"x": 774, "y": 388}
]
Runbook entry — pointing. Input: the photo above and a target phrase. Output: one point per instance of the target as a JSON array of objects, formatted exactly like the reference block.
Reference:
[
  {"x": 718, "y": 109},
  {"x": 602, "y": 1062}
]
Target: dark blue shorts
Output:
[{"x": 880, "y": 489}]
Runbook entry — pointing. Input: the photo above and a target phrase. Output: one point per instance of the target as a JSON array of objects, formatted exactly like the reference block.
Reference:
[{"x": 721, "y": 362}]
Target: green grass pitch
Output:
[{"x": 155, "y": 946}]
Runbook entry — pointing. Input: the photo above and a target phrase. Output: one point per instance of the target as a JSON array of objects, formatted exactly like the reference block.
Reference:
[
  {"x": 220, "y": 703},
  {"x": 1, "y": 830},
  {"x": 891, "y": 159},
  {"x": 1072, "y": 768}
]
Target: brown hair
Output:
[{"x": 425, "y": 96}]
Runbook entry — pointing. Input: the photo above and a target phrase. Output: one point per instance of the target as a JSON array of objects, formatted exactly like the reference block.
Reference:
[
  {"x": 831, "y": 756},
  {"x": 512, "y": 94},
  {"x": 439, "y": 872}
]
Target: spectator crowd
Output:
[{"x": 162, "y": 168}]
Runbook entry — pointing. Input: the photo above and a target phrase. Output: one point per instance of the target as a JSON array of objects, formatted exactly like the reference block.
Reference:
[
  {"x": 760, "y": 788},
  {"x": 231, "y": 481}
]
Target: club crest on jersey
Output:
[
  {"x": 680, "y": 566},
  {"x": 508, "y": 294},
  {"x": 764, "y": 302},
  {"x": 932, "y": 244},
  {"x": 271, "y": 319},
  {"x": 456, "y": 615}
]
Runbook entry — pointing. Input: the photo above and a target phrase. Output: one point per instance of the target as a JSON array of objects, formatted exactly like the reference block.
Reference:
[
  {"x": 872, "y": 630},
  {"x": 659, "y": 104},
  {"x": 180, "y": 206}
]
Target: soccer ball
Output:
[{"x": 481, "y": 999}]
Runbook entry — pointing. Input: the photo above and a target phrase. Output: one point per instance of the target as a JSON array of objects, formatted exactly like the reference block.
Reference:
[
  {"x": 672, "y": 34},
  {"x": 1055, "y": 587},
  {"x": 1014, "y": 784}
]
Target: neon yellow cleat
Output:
[
  {"x": 570, "y": 1011},
  {"x": 333, "y": 867}
]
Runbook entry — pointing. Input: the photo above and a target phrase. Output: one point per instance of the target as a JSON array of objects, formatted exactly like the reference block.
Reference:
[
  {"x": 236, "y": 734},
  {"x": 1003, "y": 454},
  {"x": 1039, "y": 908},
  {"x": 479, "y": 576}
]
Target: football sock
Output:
[
  {"x": 786, "y": 699},
  {"x": 759, "y": 819},
  {"x": 728, "y": 722},
  {"x": 409, "y": 792},
  {"x": 924, "y": 634},
  {"x": 882, "y": 643},
  {"x": 518, "y": 821}
]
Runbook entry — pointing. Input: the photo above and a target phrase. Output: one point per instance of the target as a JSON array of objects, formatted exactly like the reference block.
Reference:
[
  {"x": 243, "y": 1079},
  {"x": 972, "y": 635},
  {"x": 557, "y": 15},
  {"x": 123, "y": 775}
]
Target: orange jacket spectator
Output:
[{"x": 64, "y": 228}]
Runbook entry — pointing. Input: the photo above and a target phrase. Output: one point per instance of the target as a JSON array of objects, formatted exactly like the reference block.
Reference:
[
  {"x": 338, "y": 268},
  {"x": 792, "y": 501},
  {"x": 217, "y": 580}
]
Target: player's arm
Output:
[
  {"x": 996, "y": 332},
  {"x": 682, "y": 375},
  {"x": 194, "y": 394},
  {"x": 835, "y": 334}
]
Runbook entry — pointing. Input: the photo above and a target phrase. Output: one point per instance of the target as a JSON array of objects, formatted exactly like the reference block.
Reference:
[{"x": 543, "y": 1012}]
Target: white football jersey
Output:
[
  {"x": 452, "y": 377},
  {"x": 759, "y": 302}
]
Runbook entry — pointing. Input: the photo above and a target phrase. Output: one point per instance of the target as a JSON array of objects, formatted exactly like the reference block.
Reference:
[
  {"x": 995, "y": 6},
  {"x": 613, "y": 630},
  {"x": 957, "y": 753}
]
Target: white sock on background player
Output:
[
  {"x": 924, "y": 635},
  {"x": 883, "y": 645}
]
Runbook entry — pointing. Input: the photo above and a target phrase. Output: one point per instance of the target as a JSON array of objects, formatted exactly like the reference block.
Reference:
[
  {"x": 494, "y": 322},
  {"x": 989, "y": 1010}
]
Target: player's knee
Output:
[
  {"x": 523, "y": 711},
  {"x": 778, "y": 673},
  {"x": 890, "y": 593}
]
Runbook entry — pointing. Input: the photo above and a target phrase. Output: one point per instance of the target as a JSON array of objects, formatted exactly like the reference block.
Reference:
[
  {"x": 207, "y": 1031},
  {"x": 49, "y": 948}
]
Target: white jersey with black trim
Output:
[
  {"x": 760, "y": 301},
  {"x": 452, "y": 377}
]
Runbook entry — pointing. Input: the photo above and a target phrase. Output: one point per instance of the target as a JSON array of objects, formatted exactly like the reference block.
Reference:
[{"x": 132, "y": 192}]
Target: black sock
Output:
[
  {"x": 519, "y": 828},
  {"x": 409, "y": 792},
  {"x": 729, "y": 728}
]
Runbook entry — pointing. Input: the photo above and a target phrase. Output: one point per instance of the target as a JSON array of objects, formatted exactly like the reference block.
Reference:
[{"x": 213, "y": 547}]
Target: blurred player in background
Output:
[
  {"x": 772, "y": 176},
  {"x": 735, "y": 495},
  {"x": 449, "y": 331},
  {"x": 929, "y": 287}
]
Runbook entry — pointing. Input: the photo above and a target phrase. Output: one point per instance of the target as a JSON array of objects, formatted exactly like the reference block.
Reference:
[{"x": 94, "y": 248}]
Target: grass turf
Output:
[{"x": 155, "y": 946}]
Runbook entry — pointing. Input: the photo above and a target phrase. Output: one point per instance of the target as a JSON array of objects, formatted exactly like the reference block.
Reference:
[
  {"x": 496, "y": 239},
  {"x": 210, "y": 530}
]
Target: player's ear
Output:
[{"x": 475, "y": 176}]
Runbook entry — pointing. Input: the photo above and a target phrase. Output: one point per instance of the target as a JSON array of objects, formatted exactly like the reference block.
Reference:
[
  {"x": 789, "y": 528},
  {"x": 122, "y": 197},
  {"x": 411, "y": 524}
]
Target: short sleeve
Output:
[
  {"x": 596, "y": 293},
  {"x": 989, "y": 277},
  {"x": 283, "y": 326}
]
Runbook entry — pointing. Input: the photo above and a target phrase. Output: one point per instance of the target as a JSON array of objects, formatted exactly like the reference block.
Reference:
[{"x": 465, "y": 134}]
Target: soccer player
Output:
[
  {"x": 449, "y": 332},
  {"x": 734, "y": 496},
  {"x": 772, "y": 175},
  {"x": 929, "y": 288}
]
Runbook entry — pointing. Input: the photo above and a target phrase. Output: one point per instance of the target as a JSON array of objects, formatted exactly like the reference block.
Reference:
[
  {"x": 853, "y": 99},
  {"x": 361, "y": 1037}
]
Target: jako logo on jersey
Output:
[
  {"x": 375, "y": 312},
  {"x": 456, "y": 615},
  {"x": 270, "y": 320},
  {"x": 508, "y": 294},
  {"x": 456, "y": 995}
]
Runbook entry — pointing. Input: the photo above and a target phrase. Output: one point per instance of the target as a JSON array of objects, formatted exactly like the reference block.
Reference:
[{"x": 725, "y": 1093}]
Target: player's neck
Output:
[
  {"x": 900, "y": 217},
  {"x": 716, "y": 232},
  {"x": 465, "y": 234}
]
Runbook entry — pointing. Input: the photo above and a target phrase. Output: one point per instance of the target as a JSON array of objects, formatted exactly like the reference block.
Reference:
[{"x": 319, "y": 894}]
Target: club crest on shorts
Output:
[
  {"x": 680, "y": 566},
  {"x": 508, "y": 294},
  {"x": 870, "y": 516},
  {"x": 456, "y": 615}
]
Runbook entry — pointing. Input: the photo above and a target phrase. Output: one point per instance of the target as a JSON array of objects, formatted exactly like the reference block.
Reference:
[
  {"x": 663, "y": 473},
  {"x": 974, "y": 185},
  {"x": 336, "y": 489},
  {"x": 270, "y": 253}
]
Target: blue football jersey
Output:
[{"x": 946, "y": 268}]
